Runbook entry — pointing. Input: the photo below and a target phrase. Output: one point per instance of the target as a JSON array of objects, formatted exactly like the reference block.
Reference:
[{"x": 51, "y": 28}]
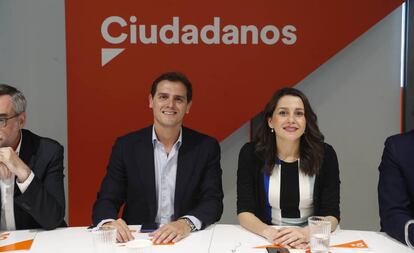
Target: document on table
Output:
[{"x": 16, "y": 240}]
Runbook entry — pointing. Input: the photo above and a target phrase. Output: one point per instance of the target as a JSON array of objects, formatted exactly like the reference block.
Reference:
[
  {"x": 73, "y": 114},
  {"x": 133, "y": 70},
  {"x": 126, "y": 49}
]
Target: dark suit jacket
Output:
[
  {"x": 130, "y": 180},
  {"x": 42, "y": 205},
  {"x": 250, "y": 186},
  {"x": 396, "y": 185}
]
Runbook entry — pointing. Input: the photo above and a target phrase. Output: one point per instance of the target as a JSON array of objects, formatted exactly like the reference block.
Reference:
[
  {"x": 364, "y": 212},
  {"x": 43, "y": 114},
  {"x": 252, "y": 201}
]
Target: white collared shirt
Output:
[
  {"x": 165, "y": 165},
  {"x": 7, "y": 196},
  {"x": 165, "y": 177}
]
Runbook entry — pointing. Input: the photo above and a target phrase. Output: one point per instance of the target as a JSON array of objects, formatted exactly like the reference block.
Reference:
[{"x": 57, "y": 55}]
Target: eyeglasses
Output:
[{"x": 3, "y": 121}]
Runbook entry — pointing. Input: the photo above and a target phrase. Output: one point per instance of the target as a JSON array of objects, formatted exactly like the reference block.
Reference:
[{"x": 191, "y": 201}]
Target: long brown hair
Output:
[{"x": 311, "y": 142}]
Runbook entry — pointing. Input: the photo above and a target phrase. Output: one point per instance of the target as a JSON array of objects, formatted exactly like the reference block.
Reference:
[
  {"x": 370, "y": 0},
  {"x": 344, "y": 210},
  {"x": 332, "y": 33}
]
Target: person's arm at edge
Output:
[{"x": 392, "y": 195}]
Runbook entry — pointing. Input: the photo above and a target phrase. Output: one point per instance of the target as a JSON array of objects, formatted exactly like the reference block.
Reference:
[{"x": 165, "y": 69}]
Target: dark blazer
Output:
[
  {"x": 250, "y": 185},
  {"x": 42, "y": 205},
  {"x": 130, "y": 180},
  {"x": 396, "y": 185}
]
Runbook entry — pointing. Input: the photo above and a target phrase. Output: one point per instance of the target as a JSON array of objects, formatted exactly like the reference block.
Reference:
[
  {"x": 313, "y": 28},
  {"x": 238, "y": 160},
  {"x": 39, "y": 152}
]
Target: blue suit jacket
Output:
[
  {"x": 130, "y": 180},
  {"x": 396, "y": 185}
]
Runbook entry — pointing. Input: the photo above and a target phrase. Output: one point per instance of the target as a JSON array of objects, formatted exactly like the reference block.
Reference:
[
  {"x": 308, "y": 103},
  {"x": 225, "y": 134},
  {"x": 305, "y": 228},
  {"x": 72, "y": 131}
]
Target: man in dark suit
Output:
[
  {"x": 396, "y": 185},
  {"x": 164, "y": 173},
  {"x": 31, "y": 170}
]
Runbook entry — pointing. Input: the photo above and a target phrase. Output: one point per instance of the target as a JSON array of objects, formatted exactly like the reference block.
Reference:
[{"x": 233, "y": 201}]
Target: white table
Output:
[
  {"x": 215, "y": 239},
  {"x": 227, "y": 238},
  {"x": 79, "y": 240}
]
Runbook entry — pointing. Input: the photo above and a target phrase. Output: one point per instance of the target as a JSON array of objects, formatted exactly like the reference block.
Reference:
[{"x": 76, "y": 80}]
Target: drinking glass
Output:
[
  {"x": 104, "y": 239},
  {"x": 319, "y": 234}
]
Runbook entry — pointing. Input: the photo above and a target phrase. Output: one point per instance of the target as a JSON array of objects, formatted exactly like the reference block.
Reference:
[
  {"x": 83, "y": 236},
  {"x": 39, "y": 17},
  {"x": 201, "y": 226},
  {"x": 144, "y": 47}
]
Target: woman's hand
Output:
[
  {"x": 270, "y": 233},
  {"x": 292, "y": 237}
]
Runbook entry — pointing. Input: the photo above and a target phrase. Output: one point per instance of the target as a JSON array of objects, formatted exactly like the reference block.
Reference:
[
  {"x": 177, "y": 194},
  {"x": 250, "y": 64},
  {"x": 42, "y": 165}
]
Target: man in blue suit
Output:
[
  {"x": 396, "y": 185},
  {"x": 165, "y": 173}
]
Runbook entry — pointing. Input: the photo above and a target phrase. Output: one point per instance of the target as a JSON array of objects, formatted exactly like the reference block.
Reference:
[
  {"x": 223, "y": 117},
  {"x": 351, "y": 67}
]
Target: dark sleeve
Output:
[
  {"x": 113, "y": 188},
  {"x": 44, "y": 199},
  {"x": 394, "y": 201},
  {"x": 210, "y": 205},
  {"x": 246, "y": 180},
  {"x": 329, "y": 185}
]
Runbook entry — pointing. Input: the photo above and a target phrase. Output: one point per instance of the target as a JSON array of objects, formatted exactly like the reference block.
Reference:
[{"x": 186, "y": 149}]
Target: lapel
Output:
[
  {"x": 28, "y": 148},
  {"x": 185, "y": 166},
  {"x": 144, "y": 153}
]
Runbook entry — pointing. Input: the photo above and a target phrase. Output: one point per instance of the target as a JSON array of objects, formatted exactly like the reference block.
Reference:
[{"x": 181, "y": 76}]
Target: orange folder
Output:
[{"x": 24, "y": 245}]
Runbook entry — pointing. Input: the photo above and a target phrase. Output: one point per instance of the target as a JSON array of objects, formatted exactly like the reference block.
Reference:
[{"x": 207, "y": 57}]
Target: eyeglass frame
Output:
[{"x": 2, "y": 125}]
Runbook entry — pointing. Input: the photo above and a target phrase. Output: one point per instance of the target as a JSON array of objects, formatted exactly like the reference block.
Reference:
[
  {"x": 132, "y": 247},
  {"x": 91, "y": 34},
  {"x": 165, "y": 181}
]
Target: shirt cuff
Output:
[
  {"x": 100, "y": 224},
  {"x": 197, "y": 223},
  {"x": 23, "y": 186}
]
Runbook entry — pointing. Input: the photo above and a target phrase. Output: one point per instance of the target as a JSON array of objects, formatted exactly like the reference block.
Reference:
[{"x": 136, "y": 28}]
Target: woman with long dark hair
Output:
[{"x": 287, "y": 173}]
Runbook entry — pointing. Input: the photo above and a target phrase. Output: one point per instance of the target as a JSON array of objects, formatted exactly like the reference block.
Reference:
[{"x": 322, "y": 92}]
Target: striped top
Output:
[{"x": 288, "y": 194}]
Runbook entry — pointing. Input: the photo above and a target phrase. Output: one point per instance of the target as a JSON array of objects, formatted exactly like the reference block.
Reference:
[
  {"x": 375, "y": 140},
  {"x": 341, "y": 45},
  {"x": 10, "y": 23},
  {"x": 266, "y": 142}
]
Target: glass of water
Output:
[
  {"x": 319, "y": 234},
  {"x": 104, "y": 239}
]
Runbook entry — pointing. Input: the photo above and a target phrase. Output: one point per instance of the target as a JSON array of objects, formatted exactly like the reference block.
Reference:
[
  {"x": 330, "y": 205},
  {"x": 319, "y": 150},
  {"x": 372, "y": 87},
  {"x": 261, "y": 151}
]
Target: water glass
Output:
[
  {"x": 319, "y": 234},
  {"x": 104, "y": 239},
  {"x": 407, "y": 235}
]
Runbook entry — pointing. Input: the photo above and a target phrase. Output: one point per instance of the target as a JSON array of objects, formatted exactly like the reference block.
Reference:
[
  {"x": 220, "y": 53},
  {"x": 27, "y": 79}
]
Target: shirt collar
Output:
[
  {"x": 155, "y": 138},
  {"x": 20, "y": 143}
]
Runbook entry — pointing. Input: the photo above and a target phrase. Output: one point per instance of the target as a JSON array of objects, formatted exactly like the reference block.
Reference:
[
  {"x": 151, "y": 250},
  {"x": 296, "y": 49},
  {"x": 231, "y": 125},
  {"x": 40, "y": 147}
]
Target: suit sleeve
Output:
[
  {"x": 112, "y": 193},
  {"x": 394, "y": 202},
  {"x": 210, "y": 204},
  {"x": 245, "y": 180},
  {"x": 44, "y": 199},
  {"x": 329, "y": 185}
]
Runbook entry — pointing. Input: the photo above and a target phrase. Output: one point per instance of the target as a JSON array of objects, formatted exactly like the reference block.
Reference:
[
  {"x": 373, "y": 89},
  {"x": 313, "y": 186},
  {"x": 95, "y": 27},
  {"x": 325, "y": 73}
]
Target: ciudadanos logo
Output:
[{"x": 216, "y": 33}]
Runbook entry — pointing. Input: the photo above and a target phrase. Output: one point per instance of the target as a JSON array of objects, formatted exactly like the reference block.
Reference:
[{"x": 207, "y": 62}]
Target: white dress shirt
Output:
[
  {"x": 165, "y": 177},
  {"x": 7, "y": 196},
  {"x": 165, "y": 165}
]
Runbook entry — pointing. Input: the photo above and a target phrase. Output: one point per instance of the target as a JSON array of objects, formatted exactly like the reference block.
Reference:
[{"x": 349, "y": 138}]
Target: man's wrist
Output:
[
  {"x": 103, "y": 222},
  {"x": 23, "y": 174},
  {"x": 189, "y": 223},
  {"x": 25, "y": 184}
]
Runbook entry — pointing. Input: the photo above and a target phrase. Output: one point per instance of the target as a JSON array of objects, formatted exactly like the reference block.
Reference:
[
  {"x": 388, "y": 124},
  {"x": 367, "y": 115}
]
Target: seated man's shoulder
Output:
[
  {"x": 197, "y": 137},
  {"x": 249, "y": 148},
  {"x": 40, "y": 141},
  {"x": 402, "y": 139},
  {"x": 143, "y": 133}
]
